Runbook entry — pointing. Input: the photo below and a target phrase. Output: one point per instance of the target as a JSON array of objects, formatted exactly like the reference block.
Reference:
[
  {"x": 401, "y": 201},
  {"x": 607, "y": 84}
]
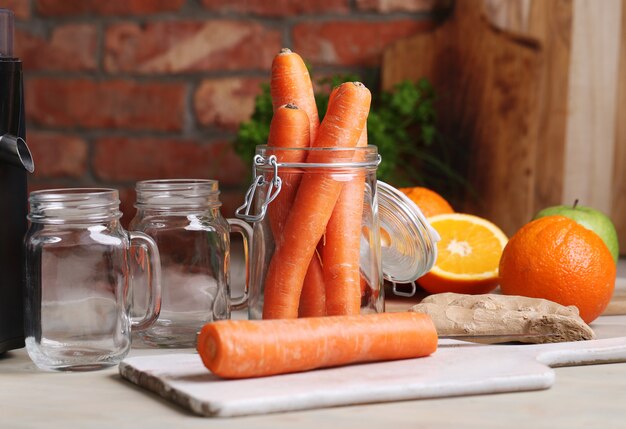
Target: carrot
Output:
[
  {"x": 289, "y": 128},
  {"x": 341, "y": 260},
  {"x": 314, "y": 202},
  {"x": 291, "y": 83},
  {"x": 246, "y": 348},
  {"x": 333, "y": 93},
  {"x": 313, "y": 296}
]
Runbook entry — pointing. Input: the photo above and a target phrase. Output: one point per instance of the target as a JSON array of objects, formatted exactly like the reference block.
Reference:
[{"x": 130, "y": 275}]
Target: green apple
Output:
[{"x": 591, "y": 219}]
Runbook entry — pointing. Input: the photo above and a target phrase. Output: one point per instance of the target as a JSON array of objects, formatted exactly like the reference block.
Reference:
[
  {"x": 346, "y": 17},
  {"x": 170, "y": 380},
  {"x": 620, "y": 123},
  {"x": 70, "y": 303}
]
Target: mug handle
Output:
[
  {"x": 245, "y": 230},
  {"x": 153, "y": 271}
]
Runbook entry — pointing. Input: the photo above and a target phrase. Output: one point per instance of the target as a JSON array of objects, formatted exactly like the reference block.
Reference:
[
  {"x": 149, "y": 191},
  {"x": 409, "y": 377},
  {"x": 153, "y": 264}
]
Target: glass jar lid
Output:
[{"x": 408, "y": 242}]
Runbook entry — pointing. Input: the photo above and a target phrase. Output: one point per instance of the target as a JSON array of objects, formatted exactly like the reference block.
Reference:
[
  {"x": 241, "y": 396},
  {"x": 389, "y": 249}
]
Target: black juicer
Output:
[{"x": 15, "y": 162}]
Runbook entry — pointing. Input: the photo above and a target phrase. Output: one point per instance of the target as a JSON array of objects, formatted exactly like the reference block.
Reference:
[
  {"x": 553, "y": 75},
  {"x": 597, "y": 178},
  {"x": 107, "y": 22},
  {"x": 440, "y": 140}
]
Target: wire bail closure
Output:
[
  {"x": 398, "y": 292},
  {"x": 275, "y": 185}
]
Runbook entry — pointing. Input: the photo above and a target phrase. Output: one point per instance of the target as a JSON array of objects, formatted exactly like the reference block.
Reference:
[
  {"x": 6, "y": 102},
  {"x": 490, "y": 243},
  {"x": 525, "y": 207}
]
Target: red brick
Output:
[
  {"x": 185, "y": 46},
  {"x": 226, "y": 102},
  {"x": 69, "y": 48},
  {"x": 57, "y": 155},
  {"x": 21, "y": 8},
  {"x": 105, "y": 104},
  {"x": 116, "y": 159},
  {"x": 128, "y": 196},
  {"x": 106, "y": 7},
  {"x": 277, "y": 7},
  {"x": 40, "y": 185},
  {"x": 385, "y": 6},
  {"x": 231, "y": 200},
  {"x": 226, "y": 166},
  {"x": 351, "y": 42}
]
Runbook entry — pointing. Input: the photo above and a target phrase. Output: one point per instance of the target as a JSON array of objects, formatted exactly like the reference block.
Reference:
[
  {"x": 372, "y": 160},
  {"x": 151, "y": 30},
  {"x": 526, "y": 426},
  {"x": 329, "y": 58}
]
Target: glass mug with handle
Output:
[
  {"x": 78, "y": 280},
  {"x": 184, "y": 219}
]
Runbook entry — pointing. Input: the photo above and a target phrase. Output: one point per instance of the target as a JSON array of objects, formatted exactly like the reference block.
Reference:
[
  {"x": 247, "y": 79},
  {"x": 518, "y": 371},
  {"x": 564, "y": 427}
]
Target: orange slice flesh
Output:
[{"x": 468, "y": 254}]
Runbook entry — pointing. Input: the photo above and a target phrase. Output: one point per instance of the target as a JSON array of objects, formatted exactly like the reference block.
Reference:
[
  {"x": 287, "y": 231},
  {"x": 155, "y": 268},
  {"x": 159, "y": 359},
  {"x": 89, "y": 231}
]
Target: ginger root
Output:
[{"x": 504, "y": 318}]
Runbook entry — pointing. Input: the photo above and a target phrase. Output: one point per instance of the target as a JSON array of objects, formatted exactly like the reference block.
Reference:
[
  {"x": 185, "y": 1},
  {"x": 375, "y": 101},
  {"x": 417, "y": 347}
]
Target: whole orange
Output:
[
  {"x": 429, "y": 201},
  {"x": 557, "y": 259}
]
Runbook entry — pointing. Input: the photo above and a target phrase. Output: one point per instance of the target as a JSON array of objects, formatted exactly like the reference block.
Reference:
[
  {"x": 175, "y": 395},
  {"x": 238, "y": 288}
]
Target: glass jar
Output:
[
  {"x": 183, "y": 217},
  {"x": 326, "y": 230},
  {"x": 77, "y": 303}
]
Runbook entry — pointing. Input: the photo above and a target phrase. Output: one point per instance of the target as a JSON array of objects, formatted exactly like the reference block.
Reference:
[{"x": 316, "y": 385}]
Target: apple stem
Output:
[{"x": 575, "y": 203}]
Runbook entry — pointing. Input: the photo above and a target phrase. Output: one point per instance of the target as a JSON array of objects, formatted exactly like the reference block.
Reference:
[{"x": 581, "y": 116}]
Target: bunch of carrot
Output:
[
  {"x": 316, "y": 219},
  {"x": 314, "y": 271}
]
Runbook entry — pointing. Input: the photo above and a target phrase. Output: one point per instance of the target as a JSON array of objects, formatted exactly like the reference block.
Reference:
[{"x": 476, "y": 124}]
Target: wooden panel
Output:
[
  {"x": 592, "y": 102},
  {"x": 559, "y": 67},
  {"x": 618, "y": 213},
  {"x": 487, "y": 81},
  {"x": 596, "y": 159},
  {"x": 510, "y": 15},
  {"x": 550, "y": 22}
]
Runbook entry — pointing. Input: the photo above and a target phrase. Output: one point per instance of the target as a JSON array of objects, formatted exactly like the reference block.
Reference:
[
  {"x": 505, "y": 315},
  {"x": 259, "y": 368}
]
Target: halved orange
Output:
[
  {"x": 429, "y": 201},
  {"x": 468, "y": 255}
]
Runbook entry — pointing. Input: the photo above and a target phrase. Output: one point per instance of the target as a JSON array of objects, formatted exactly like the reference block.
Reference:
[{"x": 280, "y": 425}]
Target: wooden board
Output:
[
  {"x": 550, "y": 23},
  {"x": 457, "y": 368},
  {"x": 487, "y": 81},
  {"x": 574, "y": 146},
  {"x": 581, "y": 138}
]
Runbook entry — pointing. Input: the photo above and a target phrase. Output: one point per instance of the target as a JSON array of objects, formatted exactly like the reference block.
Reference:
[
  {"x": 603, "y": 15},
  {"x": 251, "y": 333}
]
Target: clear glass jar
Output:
[
  {"x": 183, "y": 217},
  {"x": 324, "y": 227},
  {"x": 77, "y": 303}
]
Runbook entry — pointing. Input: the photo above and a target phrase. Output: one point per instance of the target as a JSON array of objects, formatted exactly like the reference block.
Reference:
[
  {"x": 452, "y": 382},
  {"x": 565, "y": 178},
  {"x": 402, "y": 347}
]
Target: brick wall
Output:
[{"x": 123, "y": 90}]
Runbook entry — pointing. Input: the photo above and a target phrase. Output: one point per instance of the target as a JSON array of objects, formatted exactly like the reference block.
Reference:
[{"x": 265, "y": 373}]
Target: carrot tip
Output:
[
  {"x": 285, "y": 51},
  {"x": 357, "y": 84}
]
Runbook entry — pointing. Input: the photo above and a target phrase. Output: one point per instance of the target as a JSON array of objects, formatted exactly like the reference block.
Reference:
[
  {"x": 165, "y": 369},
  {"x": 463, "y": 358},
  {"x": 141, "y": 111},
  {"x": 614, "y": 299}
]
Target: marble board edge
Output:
[{"x": 156, "y": 385}]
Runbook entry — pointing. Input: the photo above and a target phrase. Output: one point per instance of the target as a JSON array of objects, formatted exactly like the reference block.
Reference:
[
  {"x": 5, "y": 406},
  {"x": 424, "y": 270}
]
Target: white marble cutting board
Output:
[{"x": 457, "y": 368}]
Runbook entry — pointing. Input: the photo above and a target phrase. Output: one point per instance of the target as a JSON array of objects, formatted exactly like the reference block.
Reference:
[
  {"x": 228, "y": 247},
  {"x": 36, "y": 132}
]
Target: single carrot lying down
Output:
[{"x": 256, "y": 348}]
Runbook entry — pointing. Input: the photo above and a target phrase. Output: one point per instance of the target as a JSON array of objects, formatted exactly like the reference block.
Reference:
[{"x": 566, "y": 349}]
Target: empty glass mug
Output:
[
  {"x": 78, "y": 261},
  {"x": 183, "y": 217},
  {"x": 326, "y": 233}
]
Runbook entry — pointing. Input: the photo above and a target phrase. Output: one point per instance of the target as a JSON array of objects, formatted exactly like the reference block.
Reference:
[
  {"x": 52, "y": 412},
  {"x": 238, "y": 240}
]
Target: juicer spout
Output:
[{"x": 15, "y": 151}]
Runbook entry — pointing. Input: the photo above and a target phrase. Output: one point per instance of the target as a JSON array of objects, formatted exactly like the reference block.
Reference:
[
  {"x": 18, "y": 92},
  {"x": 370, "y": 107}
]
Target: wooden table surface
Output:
[{"x": 582, "y": 397}]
